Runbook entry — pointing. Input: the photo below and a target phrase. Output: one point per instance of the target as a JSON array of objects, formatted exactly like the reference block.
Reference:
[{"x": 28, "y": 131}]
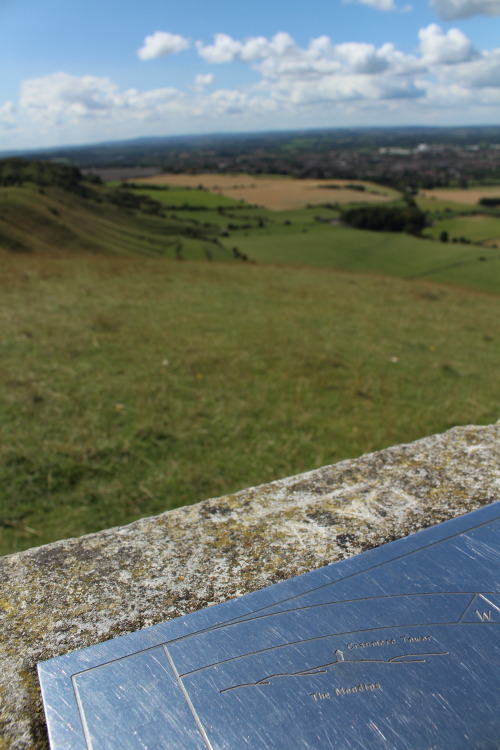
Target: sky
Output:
[{"x": 87, "y": 71}]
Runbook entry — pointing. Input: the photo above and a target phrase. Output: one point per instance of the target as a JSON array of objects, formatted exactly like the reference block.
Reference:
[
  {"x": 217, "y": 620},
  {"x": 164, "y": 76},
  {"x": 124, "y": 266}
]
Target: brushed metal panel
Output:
[{"x": 395, "y": 648}]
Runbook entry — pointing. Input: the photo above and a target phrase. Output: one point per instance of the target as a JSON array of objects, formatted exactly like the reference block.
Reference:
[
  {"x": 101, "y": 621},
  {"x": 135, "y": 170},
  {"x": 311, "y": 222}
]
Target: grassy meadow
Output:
[
  {"x": 479, "y": 228},
  {"x": 157, "y": 356},
  {"x": 134, "y": 385}
]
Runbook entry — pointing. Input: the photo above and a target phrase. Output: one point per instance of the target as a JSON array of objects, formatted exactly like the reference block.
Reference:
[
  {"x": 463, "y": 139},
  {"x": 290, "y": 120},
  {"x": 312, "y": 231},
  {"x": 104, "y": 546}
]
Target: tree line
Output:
[{"x": 409, "y": 219}]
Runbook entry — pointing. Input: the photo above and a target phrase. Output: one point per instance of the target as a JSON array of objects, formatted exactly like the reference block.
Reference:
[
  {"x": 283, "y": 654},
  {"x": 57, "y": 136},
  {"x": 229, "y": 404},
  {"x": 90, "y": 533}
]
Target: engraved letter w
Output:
[{"x": 484, "y": 616}]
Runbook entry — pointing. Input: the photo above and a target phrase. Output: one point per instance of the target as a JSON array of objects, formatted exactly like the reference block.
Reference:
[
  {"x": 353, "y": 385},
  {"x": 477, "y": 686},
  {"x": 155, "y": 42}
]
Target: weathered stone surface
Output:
[{"x": 77, "y": 592}]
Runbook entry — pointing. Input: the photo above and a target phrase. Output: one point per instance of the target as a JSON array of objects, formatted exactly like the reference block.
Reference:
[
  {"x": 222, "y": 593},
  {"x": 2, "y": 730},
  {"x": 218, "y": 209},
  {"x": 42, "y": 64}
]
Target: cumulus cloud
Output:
[
  {"x": 202, "y": 80},
  {"x": 349, "y": 88},
  {"x": 324, "y": 73},
  {"x": 451, "y": 10},
  {"x": 223, "y": 50},
  {"x": 8, "y": 114},
  {"x": 480, "y": 73},
  {"x": 162, "y": 43},
  {"x": 483, "y": 72},
  {"x": 281, "y": 57},
  {"x": 362, "y": 58},
  {"x": 447, "y": 48},
  {"x": 62, "y": 100},
  {"x": 226, "y": 49},
  {"x": 378, "y": 4},
  {"x": 61, "y": 92},
  {"x": 320, "y": 83},
  {"x": 61, "y": 97}
]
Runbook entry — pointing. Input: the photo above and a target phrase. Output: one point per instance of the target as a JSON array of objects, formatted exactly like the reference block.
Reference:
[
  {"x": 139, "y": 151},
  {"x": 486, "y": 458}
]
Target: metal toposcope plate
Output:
[{"x": 394, "y": 648}]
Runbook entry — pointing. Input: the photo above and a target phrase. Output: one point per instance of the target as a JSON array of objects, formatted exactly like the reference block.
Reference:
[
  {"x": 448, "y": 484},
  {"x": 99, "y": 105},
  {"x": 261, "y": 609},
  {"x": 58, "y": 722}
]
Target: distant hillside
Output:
[
  {"x": 422, "y": 156},
  {"x": 53, "y": 208}
]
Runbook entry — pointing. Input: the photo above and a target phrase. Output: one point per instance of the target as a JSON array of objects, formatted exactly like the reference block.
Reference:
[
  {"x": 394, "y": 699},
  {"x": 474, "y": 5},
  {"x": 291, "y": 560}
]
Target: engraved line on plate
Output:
[
  {"x": 188, "y": 699},
  {"x": 231, "y": 623},
  {"x": 485, "y": 617},
  {"x": 328, "y": 635},
  {"x": 308, "y": 606},
  {"x": 492, "y": 604},
  {"x": 466, "y": 609},
  {"x": 81, "y": 711},
  {"x": 119, "y": 658},
  {"x": 322, "y": 668},
  {"x": 291, "y": 643}
]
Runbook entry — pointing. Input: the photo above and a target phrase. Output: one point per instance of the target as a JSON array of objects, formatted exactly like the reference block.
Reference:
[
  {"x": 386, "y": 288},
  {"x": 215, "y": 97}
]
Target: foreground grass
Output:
[{"x": 130, "y": 386}]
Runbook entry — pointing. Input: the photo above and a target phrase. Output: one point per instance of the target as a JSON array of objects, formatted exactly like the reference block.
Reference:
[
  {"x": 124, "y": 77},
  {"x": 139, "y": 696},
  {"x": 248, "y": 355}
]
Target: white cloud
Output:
[
  {"x": 378, "y": 4},
  {"x": 62, "y": 93},
  {"x": 447, "y": 48},
  {"x": 280, "y": 56},
  {"x": 224, "y": 49},
  {"x": 362, "y": 58},
  {"x": 162, "y": 43},
  {"x": 349, "y": 88},
  {"x": 484, "y": 72},
  {"x": 450, "y": 10},
  {"x": 62, "y": 98},
  {"x": 319, "y": 84},
  {"x": 202, "y": 80},
  {"x": 481, "y": 73},
  {"x": 8, "y": 114}
]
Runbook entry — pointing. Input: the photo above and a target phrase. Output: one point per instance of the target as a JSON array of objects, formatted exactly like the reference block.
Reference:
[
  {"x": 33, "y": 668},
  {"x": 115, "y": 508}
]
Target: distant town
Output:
[{"x": 398, "y": 157}]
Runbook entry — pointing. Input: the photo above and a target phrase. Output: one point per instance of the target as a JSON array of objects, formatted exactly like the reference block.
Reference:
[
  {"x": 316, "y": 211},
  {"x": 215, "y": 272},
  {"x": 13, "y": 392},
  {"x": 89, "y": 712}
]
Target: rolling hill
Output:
[
  {"x": 133, "y": 383},
  {"x": 41, "y": 212}
]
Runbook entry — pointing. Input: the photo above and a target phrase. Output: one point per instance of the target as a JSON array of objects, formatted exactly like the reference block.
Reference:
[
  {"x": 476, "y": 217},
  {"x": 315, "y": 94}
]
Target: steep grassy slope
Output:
[
  {"x": 132, "y": 385},
  {"x": 53, "y": 220}
]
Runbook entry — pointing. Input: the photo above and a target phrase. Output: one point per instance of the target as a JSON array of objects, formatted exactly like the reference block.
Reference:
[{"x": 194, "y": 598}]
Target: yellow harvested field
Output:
[
  {"x": 279, "y": 194},
  {"x": 469, "y": 196}
]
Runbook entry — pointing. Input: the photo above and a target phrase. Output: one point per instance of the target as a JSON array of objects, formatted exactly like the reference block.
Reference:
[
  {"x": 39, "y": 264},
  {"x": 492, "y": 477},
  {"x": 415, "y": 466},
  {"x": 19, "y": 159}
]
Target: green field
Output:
[
  {"x": 131, "y": 386},
  {"x": 436, "y": 206},
  {"x": 313, "y": 237},
  {"x": 133, "y": 383},
  {"x": 478, "y": 228},
  {"x": 179, "y": 197}
]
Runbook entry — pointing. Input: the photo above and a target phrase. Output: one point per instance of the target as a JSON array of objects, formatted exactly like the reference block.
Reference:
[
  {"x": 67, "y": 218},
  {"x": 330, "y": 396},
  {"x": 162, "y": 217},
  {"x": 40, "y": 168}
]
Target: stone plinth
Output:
[{"x": 77, "y": 592}]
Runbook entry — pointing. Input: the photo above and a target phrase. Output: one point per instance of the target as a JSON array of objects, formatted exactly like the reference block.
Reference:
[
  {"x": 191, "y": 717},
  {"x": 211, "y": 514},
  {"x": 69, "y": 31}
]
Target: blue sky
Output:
[{"x": 80, "y": 72}]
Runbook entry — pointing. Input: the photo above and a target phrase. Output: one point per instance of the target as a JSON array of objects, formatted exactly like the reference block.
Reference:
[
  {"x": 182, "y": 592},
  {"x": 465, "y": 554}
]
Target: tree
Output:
[{"x": 386, "y": 218}]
